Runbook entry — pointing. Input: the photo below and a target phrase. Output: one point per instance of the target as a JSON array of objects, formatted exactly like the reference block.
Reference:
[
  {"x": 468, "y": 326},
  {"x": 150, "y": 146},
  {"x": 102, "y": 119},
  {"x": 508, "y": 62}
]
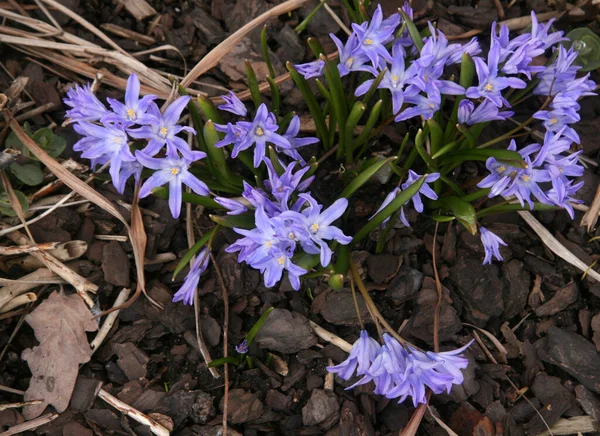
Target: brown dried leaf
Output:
[{"x": 59, "y": 324}]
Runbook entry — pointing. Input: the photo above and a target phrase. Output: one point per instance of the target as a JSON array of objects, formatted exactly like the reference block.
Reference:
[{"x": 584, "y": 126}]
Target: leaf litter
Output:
[{"x": 59, "y": 324}]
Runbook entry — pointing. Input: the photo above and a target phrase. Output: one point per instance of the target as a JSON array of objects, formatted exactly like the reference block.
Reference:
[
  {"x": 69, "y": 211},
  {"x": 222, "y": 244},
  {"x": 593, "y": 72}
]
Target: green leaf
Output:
[
  {"x": 265, "y": 51},
  {"x": 435, "y": 135},
  {"x": 244, "y": 221},
  {"x": 253, "y": 84},
  {"x": 482, "y": 154},
  {"x": 355, "y": 114},
  {"x": 209, "y": 109},
  {"x": 413, "y": 31},
  {"x": 467, "y": 71},
  {"x": 443, "y": 218},
  {"x": 445, "y": 149},
  {"x": 307, "y": 261},
  {"x": 501, "y": 208},
  {"x": 401, "y": 199},
  {"x": 463, "y": 211},
  {"x": 302, "y": 26},
  {"x": 217, "y": 158},
  {"x": 368, "y": 127},
  {"x": 44, "y": 137},
  {"x": 587, "y": 44},
  {"x": 57, "y": 146},
  {"x": 419, "y": 142},
  {"x": 374, "y": 86},
  {"x": 30, "y": 174},
  {"x": 313, "y": 105},
  {"x": 336, "y": 281},
  {"x": 364, "y": 177},
  {"x": 6, "y": 208},
  {"x": 199, "y": 245},
  {"x": 275, "y": 95},
  {"x": 258, "y": 325},
  {"x": 223, "y": 360}
]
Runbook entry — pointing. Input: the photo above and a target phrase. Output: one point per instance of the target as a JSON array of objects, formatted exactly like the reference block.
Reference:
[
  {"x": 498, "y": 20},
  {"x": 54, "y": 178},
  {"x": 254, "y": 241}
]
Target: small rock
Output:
[
  {"x": 563, "y": 298},
  {"x": 480, "y": 288},
  {"x": 421, "y": 322},
  {"x": 339, "y": 308},
  {"x": 115, "y": 264},
  {"x": 278, "y": 401},
  {"x": 590, "y": 403},
  {"x": 322, "y": 408},
  {"x": 469, "y": 421},
  {"x": 573, "y": 354},
  {"x": 203, "y": 409},
  {"x": 382, "y": 267},
  {"x": 243, "y": 406},
  {"x": 595, "y": 324},
  {"x": 211, "y": 331},
  {"x": 517, "y": 290},
  {"x": 555, "y": 398},
  {"x": 405, "y": 285},
  {"x": 286, "y": 332},
  {"x": 290, "y": 46}
]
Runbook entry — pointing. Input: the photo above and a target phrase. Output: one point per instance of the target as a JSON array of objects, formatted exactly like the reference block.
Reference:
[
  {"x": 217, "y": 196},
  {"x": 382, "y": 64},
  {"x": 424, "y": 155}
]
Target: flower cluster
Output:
[
  {"x": 260, "y": 131},
  {"x": 107, "y": 136},
  {"x": 401, "y": 371},
  {"x": 286, "y": 218}
]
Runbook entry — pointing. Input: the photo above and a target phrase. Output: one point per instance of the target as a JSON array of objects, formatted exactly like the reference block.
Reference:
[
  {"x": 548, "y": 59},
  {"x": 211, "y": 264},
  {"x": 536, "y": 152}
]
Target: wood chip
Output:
[
  {"x": 128, "y": 33},
  {"x": 140, "y": 9}
]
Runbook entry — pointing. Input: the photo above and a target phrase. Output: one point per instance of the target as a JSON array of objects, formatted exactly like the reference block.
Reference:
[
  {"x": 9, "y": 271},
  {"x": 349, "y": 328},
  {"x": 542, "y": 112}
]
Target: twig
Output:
[
  {"x": 337, "y": 19},
  {"x": 591, "y": 216},
  {"x": 30, "y": 425},
  {"x": 134, "y": 414},
  {"x": 20, "y": 300},
  {"x": 326, "y": 335},
  {"x": 7, "y": 406},
  {"x": 110, "y": 320},
  {"x": 212, "y": 58},
  {"x": 225, "y": 331},
  {"x": 11, "y": 390},
  {"x": 23, "y": 249}
]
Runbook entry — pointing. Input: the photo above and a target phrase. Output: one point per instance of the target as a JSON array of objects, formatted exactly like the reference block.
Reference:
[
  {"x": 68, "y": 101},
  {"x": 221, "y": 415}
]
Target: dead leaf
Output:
[{"x": 59, "y": 324}]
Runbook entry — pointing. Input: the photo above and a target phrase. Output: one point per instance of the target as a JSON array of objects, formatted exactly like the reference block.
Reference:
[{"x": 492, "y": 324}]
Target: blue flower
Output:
[
  {"x": 281, "y": 186},
  {"x": 351, "y": 56},
  {"x": 373, "y": 36},
  {"x": 291, "y": 134},
  {"x": 362, "y": 354},
  {"x": 188, "y": 290},
  {"x": 233, "y": 104},
  {"x": 486, "y": 111},
  {"x": 161, "y": 130},
  {"x": 557, "y": 120},
  {"x": 388, "y": 199},
  {"x": 426, "y": 106},
  {"x": 85, "y": 106},
  {"x": 233, "y": 207},
  {"x": 311, "y": 69},
  {"x": 134, "y": 108},
  {"x": 128, "y": 169},
  {"x": 490, "y": 85},
  {"x": 491, "y": 243},
  {"x": 399, "y": 371},
  {"x": 395, "y": 79},
  {"x": 258, "y": 132},
  {"x": 425, "y": 189},
  {"x": 562, "y": 196},
  {"x": 174, "y": 171},
  {"x": 108, "y": 142},
  {"x": 242, "y": 347},
  {"x": 318, "y": 225}
]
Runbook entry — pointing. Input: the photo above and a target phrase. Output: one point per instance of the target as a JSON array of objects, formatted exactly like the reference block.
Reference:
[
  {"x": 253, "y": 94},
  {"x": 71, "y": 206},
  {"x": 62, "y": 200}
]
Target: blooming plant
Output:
[{"x": 445, "y": 94}]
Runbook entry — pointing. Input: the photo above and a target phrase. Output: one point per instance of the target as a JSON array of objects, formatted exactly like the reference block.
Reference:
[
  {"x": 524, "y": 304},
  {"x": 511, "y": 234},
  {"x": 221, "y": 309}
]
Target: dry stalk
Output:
[
  {"x": 19, "y": 404},
  {"x": 134, "y": 414},
  {"x": 591, "y": 216},
  {"x": 20, "y": 300},
  {"x": 110, "y": 320},
  {"x": 31, "y": 425}
]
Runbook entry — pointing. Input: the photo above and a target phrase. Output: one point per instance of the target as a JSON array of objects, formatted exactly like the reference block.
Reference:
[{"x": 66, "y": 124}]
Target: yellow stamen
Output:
[
  {"x": 117, "y": 140},
  {"x": 291, "y": 235},
  {"x": 163, "y": 131},
  {"x": 526, "y": 178},
  {"x": 395, "y": 78},
  {"x": 349, "y": 61},
  {"x": 259, "y": 131},
  {"x": 268, "y": 244},
  {"x": 130, "y": 114},
  {"x": 553, "y": 121},
  {"x": 368, "y": 41},
  {"x": 175, "y": 171},
  {"x": 489, "y": 87},
  {"x": 281, "y": 260},
  {"x": 501, "y": 168},
  {"x": 314, "y": 227}
]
